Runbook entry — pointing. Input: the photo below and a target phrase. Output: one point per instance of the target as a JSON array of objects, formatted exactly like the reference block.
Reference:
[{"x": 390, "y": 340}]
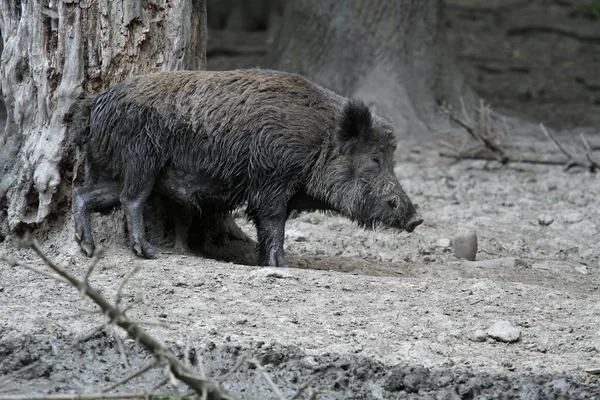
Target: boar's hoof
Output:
[
  {"x": 144, "y": 250},
  {"x": 87, "y": 248},
  {"x": 413, "y": 223}
]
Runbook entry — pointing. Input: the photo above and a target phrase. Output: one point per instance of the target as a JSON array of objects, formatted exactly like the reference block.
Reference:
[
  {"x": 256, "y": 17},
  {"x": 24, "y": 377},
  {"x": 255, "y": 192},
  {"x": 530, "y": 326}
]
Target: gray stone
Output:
[
  {"x": 503, "y": 331},
  {"x": 465, "y": 245},
  {"x": 479, "y": 336},
  {"x": 444, "y": 243},
  {"x": 572, "y": 217},
  {"x": 582, "y": 269}
]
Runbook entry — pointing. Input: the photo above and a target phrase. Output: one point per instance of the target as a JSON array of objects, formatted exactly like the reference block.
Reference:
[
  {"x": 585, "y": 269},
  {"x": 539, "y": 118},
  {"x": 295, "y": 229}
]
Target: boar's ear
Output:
[{"x": 356, "y": 121}]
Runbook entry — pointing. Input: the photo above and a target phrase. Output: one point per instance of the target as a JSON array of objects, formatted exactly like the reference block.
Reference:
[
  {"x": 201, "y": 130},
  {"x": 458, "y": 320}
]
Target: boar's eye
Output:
[{"x": 376, "y": 160}]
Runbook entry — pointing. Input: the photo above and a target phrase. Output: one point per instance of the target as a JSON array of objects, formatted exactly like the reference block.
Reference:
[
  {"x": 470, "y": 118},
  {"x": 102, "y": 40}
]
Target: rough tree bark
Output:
[
  {"x": 391, "y": 54},
  {"x": 53, "y": 51}
]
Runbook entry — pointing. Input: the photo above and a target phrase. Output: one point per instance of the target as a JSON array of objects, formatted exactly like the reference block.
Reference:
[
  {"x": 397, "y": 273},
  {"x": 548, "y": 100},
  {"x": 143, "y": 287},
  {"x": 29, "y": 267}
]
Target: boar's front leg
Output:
[
  {"x": 271, "y": 231},
  {"x": 94, "y": 196},
  {"x": 269, "y": 214}
]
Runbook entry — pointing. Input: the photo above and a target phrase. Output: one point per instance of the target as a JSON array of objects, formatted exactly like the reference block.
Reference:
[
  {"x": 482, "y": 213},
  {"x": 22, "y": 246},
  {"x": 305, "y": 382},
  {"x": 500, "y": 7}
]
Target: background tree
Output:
[
  {"x": 391, "y": 54},
  {"x": 54, "y": 52}
]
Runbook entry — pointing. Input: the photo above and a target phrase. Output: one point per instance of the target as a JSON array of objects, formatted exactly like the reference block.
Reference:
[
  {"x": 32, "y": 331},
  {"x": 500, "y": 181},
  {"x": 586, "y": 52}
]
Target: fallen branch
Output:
[
  {"x": 509, "y": 159},
  {"x": 118, "y": 318},
  {"x": 489, "y": 148},
  {"x": 175, "y": 369}
]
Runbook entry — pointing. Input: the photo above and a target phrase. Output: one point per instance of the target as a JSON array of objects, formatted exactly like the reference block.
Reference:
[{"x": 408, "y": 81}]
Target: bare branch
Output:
[
  {"x": 151, "y": 323},
  {"x": 6, "y": 378},
  {"x": 556, "y": 143},
  {"x": 121, "y": 347},
  {"x": 588, "y": 153},
  {"x": 482, "y": 132},
  {"x": 267, "y": 377},
  {"x": 524, "y": 160},
  {"x": 98, "y": 253},
  {"x": 133, "y": 271},
  {"x": 302, "y": 388},
  {"x": 80, "y": 314},
  {"x": 115, "y": 314},
  {"x": 15, "y": 263},
  {"x": 237, "y": 366},
  {"x": 130, "y": 377}
]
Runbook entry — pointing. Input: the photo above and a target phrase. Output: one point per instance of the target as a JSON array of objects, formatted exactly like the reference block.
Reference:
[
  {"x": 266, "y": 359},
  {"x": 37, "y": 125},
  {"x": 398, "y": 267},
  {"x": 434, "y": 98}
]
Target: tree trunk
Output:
[
  {"x": 55, "y": 50},
  {"x": 391, "y": 54}
]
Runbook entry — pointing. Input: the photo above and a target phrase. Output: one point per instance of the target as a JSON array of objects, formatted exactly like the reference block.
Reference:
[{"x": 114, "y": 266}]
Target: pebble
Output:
[
  {"x": 584, "y": 228},
  {"x": 479, "y": 336},
  {"x": 582, "y": 269},
  {"x": 572, "y": 217},
  {"x": 503, "y": 331},
  {"x": 444, "y": 243},
  {"x": 465, "y": 245}
]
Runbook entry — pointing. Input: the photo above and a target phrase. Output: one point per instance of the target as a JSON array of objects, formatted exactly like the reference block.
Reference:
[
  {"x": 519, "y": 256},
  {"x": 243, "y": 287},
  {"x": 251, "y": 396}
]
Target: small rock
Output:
[
  {"x": 479, "y": 336},
  {"x": 545, "y": 220},
  {"x": 582, "y": 269},
  {"x": 572, "y": 217},
  {"x": 503, "y": 331},
  {"x": 465, "y": 245},
  {"x": 444, "y": 243},
  {"x": 584, "y": 228}
]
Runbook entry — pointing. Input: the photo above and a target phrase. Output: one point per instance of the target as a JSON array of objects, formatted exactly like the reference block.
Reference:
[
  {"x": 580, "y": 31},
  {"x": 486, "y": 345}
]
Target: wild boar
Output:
[{"x": 217, "y": 140}]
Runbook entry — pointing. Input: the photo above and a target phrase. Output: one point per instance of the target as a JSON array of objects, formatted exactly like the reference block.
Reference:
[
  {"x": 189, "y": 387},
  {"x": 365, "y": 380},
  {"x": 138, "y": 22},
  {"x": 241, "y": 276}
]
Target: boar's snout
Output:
[{"x": 412, "y": 223}]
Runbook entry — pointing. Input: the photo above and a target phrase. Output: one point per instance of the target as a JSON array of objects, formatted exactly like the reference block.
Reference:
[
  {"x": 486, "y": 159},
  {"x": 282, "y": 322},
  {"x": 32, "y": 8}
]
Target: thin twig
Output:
[
  {"x": 73, "y": 345},
  {"x": 237, "y": 366},
  {"x": 160, "y": 384},
  {"x": 556, "y": 143},
  {"x": 98, "y": 253},
  {"x": 16, "y": 263},
  {"x": 150, "y": 323},
  {"x": 133, "y": 271},
  {"x": 302, "y": 388},
  {"x": 524, "y": 160},
  {"x": 130, "y": 377},
  {"x": 121, "y": 347},
  {"x": 179, "y": 370},
  {"x": 80, "y": 314},
  {"x": 267, "y": 377},
  {"x": 588, "y": 153}
]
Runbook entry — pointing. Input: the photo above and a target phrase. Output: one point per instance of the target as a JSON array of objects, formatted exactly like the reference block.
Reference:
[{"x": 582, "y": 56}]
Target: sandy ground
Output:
[
  {"x": 368, "y": 314},
  {"x": 373, "y": 315}
]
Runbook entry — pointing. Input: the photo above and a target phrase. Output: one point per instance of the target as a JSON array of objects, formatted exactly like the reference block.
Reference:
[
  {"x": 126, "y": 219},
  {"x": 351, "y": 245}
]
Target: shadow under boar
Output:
[{"x": 218, "y": 140}]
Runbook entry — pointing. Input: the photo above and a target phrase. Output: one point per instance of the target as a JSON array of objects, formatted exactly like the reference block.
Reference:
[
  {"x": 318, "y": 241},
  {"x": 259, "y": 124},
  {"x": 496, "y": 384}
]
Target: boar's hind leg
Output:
[
  {"x": 136, "y": 191},
  {"x": 95, "y": 196}
]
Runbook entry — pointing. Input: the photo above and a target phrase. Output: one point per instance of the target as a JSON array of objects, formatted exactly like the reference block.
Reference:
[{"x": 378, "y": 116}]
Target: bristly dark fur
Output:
[{"x": 273, "y": 140}]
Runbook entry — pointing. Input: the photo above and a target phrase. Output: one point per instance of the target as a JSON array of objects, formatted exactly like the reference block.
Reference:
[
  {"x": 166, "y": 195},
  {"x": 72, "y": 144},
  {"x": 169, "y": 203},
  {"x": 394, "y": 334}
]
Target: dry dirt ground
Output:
[
  {"x": 367, "y": 314},
  {"x": 372, "y": 315}
]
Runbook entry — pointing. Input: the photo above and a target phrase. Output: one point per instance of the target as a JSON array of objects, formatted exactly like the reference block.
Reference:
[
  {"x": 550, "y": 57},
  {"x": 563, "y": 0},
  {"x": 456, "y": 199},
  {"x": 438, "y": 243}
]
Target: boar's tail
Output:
[{"x": 77, "y": 119}]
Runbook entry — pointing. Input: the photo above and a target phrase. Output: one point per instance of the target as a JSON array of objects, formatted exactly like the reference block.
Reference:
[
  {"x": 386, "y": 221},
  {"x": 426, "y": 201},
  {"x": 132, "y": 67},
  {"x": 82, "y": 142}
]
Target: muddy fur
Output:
[{"x": 217, "y": 140}]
